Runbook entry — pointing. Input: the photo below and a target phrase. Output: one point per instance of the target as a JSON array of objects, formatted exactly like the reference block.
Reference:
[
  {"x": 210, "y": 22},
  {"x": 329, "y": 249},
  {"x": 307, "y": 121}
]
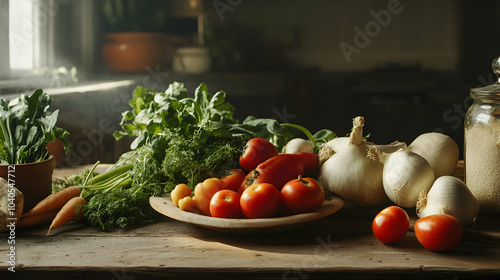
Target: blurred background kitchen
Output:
[{"x": 406, "y": 66}]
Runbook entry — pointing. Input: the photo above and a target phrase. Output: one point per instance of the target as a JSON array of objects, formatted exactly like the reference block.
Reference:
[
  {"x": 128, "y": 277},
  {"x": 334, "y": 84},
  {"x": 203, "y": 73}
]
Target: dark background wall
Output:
[{"x": 409, "y": 71}]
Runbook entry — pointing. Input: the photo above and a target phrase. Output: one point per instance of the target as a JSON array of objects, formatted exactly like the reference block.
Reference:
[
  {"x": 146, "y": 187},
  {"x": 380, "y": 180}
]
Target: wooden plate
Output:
[{"x": 165, "y": 206}]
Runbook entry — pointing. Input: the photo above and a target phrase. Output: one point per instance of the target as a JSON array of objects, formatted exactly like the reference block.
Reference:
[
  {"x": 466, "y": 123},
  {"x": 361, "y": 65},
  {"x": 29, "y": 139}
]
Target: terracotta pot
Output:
[
  {"x": 134, "y": 51},
  {"x": 34, "y": 180},
  {"x": 56, "y": 148}
]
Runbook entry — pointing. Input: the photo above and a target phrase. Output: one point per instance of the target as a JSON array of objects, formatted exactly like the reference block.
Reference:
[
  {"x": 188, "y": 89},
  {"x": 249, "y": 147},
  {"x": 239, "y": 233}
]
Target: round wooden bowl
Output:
[{"x": 165, "y": 206}]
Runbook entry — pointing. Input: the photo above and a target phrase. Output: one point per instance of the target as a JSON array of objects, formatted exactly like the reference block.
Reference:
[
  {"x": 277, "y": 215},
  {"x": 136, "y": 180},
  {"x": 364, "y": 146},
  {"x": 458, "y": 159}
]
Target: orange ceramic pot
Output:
[
  {"x": 56, "y": 148},
  {"x": 134, "y": 52},
  {"x": 34, "y": 180}
]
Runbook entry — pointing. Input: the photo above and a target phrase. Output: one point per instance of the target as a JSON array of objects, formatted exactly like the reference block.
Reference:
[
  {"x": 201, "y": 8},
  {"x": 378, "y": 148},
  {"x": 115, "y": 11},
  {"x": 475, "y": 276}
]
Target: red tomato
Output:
[
  {"x": 281, "y": 169},
  {"x": 204, "y": 191},
  {"x": 225, "y": 204},
  {"x": 301, "y": 196},
  {"x": 438, "y": 232},
  {"x": 260, "y": 201},
  {"x": 257, "y": 150},
  {"x": 391, "y": 224},
  {"x": 234, "y": 179}
]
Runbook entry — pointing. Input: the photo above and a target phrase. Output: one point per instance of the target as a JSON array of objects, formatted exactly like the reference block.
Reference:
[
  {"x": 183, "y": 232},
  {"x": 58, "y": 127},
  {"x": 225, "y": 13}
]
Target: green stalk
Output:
[
  {"x": 6, "y": 138},
  {"x": 109, "y": 181},
  {"x": 110, "y": 174},
  {"x": 116, "y": 178},
  {"x": 122, "y": 184},
  {"x": 303, "y": 130},
  {"x": 90, "y": 173},
  {"x": 12, "y": 144}
]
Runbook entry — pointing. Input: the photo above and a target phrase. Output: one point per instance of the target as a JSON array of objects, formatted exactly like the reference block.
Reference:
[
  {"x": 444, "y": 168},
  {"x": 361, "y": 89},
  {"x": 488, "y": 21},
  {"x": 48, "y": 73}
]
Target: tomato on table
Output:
[
  {"x": 257, "y": 150},
  {"x": 260, "y": 201},
  {"x": 438, "y": 232},
  {"x": 301, "y": 195},
  {"x": 391, "y": 224},
  {"x": 226, "y": 204}
]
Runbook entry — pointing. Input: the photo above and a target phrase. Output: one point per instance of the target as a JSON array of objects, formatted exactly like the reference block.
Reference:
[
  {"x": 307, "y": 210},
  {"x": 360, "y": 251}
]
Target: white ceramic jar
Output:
[{"x": 191, "y": 60}]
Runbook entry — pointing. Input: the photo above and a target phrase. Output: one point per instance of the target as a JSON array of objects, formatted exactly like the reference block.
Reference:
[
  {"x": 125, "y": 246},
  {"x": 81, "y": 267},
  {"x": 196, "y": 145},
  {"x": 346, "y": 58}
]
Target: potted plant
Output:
[
  {"x": 26, "y": 127},
  {"x": 133, "y": 39}
]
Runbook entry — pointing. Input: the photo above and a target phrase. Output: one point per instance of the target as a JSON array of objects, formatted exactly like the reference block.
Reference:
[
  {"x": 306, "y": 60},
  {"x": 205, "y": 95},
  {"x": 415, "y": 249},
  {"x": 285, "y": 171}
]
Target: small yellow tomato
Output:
[
  {"x": 186, "y": 204},
  {"x": 180, "y": 191}
]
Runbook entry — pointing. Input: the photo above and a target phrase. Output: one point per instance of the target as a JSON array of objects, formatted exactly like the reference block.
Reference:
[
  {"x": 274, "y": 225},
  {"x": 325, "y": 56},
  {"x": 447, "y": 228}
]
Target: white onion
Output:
[
  {"x": 449, "y": 195},
  {"x": 331, "y": 147},
  {"x": 353, "y": 172},
  {"x": 405, "y": 176},
  {"x": 297, "y": 145},
  {"x": 440, "y": 150}
]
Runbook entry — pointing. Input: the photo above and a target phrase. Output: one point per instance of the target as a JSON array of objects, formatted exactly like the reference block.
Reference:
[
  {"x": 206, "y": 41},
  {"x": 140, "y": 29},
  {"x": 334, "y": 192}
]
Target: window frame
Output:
[{"x": 4, "y": 41}]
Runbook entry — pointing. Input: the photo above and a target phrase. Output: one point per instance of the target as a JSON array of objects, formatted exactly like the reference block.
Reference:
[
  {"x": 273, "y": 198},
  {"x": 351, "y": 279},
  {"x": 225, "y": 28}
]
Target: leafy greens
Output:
[{"x": 26, "y": 127}]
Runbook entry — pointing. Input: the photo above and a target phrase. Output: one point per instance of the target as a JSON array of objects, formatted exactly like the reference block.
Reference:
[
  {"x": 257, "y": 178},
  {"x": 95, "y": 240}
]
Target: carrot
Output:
[
  {"x": 54, "y": 201},
  {"x": 72, "y": 210},
  {"x": 37, "y": 219}
]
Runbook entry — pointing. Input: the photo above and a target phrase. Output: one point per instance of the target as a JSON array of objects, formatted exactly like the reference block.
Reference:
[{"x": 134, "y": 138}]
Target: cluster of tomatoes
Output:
[
  {"x": 232, "y": 197},
  {"x": 436, "y": 232}
]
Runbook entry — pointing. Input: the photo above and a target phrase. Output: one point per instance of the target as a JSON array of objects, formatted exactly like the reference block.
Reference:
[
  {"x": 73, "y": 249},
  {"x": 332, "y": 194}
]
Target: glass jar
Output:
[{"x": 482, "y": 144}]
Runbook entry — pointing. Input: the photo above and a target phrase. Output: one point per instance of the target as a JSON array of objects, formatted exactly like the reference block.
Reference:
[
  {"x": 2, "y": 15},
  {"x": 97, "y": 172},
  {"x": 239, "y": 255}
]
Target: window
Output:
[
  {"x": 18, "y": 33},
  {"x": 4, "y": 39},
  {"x": 24, "y": 26},
  {"x": 21, "y": 35}
]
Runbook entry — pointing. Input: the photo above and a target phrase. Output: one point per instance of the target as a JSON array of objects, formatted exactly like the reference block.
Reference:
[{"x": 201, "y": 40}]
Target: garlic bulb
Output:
[
  {"x": 354, "y": 171},
  {"x": 440, "y": 150},
  {"x": 405, "y": 176},
  {"x": 10, "y": 198},
  {"x": 449, "y": 195},
  {"x": 297, "y": 145}
]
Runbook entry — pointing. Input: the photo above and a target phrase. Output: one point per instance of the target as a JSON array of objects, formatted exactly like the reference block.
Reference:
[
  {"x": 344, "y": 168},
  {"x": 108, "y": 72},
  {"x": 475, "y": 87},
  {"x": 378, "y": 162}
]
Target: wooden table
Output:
[{"x": 338, "y": 246}]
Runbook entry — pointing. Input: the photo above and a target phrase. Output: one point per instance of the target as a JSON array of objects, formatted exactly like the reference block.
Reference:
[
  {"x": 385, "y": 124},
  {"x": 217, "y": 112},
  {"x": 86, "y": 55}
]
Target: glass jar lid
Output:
[{"x": 493, "y": 90}]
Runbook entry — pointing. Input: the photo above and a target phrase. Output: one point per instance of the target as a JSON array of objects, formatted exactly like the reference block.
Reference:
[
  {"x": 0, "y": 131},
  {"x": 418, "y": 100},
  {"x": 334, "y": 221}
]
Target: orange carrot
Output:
[
  {"x": 54, "y": 201},
  {"x": 72, "y": 210},
  {"x": 38, "y": 219}
]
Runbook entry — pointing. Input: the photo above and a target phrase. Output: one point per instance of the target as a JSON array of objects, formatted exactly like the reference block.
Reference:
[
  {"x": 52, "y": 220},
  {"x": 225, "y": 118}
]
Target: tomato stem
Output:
[{"x": 303, "y": 181}]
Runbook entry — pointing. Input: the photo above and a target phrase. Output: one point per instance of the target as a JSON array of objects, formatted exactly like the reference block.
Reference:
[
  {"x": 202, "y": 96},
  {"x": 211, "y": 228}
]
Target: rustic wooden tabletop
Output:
[{"x": 339, "y": 246}]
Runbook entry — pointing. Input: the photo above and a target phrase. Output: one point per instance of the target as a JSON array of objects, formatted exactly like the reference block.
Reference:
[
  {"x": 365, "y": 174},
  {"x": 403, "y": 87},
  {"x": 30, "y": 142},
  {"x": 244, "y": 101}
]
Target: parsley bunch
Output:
[{"x": 177, "y": 139}]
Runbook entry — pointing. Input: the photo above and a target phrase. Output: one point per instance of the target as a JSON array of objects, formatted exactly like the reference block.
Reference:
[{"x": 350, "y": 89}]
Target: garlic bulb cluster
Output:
[
  {"x": 405, "y": 176},
  {"x": 354, "y": 171},
  {"x": 448, "y": 195}
]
